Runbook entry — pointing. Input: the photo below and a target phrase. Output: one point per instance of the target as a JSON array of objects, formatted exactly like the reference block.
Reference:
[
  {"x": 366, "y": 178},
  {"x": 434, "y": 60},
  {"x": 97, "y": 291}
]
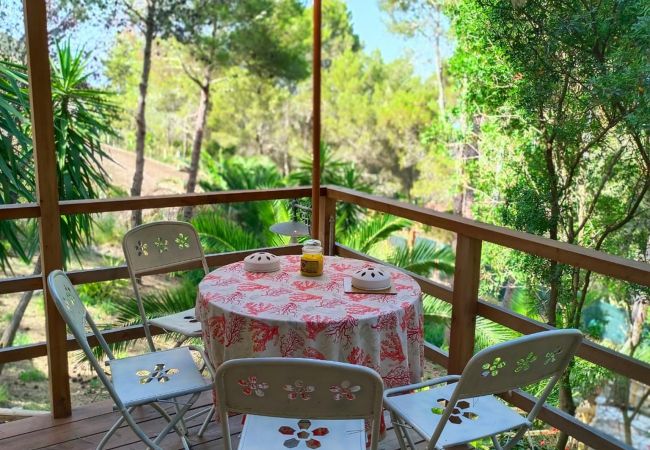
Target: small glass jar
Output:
[{"x": 311, "y": 261}]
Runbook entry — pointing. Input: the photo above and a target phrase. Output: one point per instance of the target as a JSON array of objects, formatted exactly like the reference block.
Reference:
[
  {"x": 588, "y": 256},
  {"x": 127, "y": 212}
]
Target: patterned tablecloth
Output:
[{"x": 285, "y": 314}]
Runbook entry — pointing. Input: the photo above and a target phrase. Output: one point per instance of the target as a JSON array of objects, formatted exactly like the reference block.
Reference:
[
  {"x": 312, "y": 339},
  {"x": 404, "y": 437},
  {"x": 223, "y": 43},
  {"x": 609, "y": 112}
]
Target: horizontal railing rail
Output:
[
  {"x": 179, "y": 200},
  {"x": 574, "y": 255},
  {"x": 83, "y": 276},
  {"x": 19, "y": 211},
  {"x": 96, "y": 206},
  {"x": 23, "y": 352}
]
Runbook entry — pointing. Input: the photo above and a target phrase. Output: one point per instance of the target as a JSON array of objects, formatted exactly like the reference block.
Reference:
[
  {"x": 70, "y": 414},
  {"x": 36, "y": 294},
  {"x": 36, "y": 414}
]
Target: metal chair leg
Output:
[
  {"x": 111, "y": 431},
  {"x": 206, "y": 422},
  {"x": 177, "y": 417},
  {"x": 180, "y": 431},
  {"x": 399, "y": 430}
]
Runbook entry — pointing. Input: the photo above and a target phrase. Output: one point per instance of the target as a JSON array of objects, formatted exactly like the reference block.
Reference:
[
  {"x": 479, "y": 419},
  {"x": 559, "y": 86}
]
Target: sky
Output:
[{"x": 371, "y": 24}]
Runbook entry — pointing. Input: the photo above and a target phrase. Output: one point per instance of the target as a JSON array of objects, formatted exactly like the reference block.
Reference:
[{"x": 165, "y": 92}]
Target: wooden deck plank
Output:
[
  {"x": 88, "y": 425},
  {"x": 23, "y": 426}
]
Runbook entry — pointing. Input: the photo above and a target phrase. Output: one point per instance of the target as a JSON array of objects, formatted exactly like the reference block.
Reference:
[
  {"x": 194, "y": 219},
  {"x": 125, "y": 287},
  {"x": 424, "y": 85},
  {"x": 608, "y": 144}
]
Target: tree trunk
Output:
[
  {"x": 199, "y": 131},
  {"x": 555, "y": 269},
  {"x": 9, "y": 333},
  {"x": 140, "y": 121},
  {"x": 440, "y": 75},
  {"x": 464, "y": 200},
  {"x": 508, "y": 292}
]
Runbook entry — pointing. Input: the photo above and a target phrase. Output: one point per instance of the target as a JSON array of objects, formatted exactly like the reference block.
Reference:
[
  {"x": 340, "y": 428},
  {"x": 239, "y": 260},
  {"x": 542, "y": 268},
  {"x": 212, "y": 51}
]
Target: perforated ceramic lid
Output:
[
  {"x": 262, "y": 262},
  {"x": 371, "y": 278}
]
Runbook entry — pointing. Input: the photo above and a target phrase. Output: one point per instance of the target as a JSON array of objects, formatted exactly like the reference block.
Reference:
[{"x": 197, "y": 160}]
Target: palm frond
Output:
[
  {"x": 219, "y": 234},
  {"x": 377, "y": 228},
  {"x": 524, "y": 303},
  {"x": 436, "y": 310},
  {"x": 490, "y": 333},
  {"x": 424, "y": 258},
  {"x": 161, "y": 303}
]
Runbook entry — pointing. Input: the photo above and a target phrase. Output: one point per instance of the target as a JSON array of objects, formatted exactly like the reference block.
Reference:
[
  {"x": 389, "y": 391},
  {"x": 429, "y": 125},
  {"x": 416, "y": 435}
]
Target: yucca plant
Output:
[
  {"x": 16, "y": 165},
  {"x": 82, "y": 118}
]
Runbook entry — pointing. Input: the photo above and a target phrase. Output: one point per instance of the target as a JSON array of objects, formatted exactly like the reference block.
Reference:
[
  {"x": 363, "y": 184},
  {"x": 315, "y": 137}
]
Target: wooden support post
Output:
[
  {"x": 464, "y": 302},
  {"x": 327, "y": 225},
  {"x": 316, "y": 119},
  {"x": 49, "y": 227}
]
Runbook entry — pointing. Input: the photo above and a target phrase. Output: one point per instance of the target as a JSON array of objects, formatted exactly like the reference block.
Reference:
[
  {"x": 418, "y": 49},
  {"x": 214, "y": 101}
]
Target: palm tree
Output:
[{"x": 82, "y": 116}]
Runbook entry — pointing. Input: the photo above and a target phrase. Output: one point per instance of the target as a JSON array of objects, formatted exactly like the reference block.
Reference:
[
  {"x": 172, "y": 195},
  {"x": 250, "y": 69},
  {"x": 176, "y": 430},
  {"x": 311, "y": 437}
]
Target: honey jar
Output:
[{"x": 311, "y": 261}]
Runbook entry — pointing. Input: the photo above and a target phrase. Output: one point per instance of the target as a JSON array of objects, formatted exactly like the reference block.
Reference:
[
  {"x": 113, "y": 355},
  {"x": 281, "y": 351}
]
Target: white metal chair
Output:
[
  {"x": 157, "y": 246},
  {"x": 299, "y": 403},
  {"x": 146, "y": 379},
  {"x": 167, "y": 246},
  {"x": 465, "y": 409}
]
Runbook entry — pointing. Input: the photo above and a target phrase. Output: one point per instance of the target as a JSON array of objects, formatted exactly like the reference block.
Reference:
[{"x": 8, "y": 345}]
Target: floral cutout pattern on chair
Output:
[
  {"x": 299, "y": 389},
  {"x": 523, "y": 364},
  {"x": 142, "y": 249},
  {"x": 182, "y": 241},
  {"x": 460, "y": 411},
  {"x": 492, "y": 369},
  {"x": 552, "y": 356},
  {"x": 252, "y": 386},
  {"x": 160, "y": 374},
  {"x": 161, "y": 244},
  {"x": 344, "y": 391},
  {"x": 303, "y": 434}
]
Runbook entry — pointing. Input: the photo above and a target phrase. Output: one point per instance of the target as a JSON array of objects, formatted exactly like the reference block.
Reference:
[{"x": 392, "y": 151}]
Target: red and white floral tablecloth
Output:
[{"x": 285, "y": 314}]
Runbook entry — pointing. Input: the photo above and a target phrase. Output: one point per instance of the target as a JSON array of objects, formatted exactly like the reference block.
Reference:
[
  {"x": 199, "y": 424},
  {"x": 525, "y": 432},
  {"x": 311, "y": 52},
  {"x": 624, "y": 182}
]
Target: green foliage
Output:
[
  {"x": 264, "y": 36},
  {"x": 437, "y": 315},
  {"x": 22, "y": 339},
  {"x": 104, "y": 294},
  {"x": 16, "y": 167},
  {"x": 424, "y": 258},
  {"x": 334, "y": 171},
  {"x": 4, "y": 395},
  {"x": 31, "y": 375},
  {"x": 160, "y": 303},
  {"x": 377, "y": 228},
  {"x": 219, "y": 234},
  {"x": 82, "y": 117}
]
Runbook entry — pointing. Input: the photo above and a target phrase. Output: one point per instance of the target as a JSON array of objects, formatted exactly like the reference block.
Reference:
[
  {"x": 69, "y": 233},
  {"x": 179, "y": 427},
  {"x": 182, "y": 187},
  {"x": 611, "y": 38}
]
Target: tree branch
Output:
[{"x": 606, "y": 177}]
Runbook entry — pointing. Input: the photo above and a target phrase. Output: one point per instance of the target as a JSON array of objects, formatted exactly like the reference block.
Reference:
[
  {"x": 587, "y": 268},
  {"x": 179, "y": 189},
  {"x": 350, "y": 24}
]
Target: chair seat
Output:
[
  {"x": 145, "y": 378},
  {"x": 473, "y": 418},
  {"x": 184, "y": 322},
  {"x": 262, "y": 432}
]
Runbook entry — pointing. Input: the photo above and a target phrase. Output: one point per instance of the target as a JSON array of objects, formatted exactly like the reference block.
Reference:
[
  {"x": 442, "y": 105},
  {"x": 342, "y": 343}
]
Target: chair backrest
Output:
[
  {"x": 515, "y": 364},
  {"x": 162, "y": 245},
  {"x": 299, "y": 388},
  {"x": 76, "y": 316},
  {"x": 157, "y": 246}
]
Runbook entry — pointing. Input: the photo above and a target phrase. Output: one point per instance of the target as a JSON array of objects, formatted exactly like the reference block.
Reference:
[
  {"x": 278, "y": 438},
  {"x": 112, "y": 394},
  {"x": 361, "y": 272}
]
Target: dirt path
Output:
[{"x": 159, "y": 178}]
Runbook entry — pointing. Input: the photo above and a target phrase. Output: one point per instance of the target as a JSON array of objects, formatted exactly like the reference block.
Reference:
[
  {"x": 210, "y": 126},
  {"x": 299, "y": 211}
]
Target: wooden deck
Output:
[{"x": 85, "y": 428}]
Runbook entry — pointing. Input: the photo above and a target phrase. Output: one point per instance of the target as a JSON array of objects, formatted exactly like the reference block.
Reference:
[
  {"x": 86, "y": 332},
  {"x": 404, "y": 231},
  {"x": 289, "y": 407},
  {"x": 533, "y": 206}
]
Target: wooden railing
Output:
[
  {"x": 57, "y": 342},
  {"x": 466, "y": 306}
]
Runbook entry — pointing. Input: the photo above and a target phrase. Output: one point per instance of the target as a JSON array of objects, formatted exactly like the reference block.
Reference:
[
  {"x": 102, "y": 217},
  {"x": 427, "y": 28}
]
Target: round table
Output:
[{"x": 283, "y": 313}]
